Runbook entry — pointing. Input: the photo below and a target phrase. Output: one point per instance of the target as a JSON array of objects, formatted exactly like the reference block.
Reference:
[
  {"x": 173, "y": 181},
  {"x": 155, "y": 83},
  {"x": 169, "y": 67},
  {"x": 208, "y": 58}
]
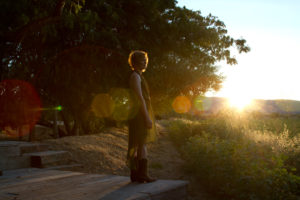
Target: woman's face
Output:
[{"x": 142, "y": 64}]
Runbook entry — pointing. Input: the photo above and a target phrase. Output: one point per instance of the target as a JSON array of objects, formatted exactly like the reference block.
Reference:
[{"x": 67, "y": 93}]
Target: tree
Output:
[{"x": 71, "y": 50}]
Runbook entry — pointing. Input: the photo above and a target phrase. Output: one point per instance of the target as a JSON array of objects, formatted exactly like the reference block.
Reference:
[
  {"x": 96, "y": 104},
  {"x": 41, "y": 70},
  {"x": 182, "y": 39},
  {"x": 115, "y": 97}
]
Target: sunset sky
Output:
[{"x": 272, "y": 30}]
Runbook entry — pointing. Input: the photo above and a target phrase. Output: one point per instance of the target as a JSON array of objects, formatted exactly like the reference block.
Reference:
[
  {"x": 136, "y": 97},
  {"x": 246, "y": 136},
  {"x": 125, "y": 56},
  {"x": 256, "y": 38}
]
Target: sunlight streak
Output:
[{"x": 239, "y": 102}]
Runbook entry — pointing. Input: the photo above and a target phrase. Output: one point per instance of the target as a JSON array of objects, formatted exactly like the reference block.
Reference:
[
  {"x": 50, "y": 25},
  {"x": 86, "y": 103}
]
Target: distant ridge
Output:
[{"x": 280, "y": 106}]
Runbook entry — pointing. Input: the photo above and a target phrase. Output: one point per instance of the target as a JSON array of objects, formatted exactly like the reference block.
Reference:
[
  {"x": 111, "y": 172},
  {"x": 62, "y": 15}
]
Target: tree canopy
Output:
[{"x": 72, "y": 50}]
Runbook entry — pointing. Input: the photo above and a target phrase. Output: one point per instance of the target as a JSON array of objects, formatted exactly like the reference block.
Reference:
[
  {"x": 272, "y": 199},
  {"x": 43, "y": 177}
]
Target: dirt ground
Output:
[{"x": 105, "y": 153}]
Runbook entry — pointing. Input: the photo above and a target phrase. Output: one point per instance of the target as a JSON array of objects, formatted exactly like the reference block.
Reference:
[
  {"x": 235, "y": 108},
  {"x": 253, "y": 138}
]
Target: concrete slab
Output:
[
  {"x": 32, "y": 147},
  {"x": 48, "y": 158},
  {"x": 14, "y": 162},
  {"x": 36, "y": 184},
  {"x": 17, "y": 148},
  {"x": 11, "y": 143},
  {"x": 9, "y": 149}
]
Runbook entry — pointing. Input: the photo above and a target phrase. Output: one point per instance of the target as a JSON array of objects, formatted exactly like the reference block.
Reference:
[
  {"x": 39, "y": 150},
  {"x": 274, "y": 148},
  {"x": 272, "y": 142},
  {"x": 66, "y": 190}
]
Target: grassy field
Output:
[{"x": 239, "y": 156}]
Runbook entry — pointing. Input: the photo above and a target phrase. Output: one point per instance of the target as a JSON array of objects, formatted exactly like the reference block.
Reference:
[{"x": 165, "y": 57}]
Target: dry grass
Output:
[{"x": 105, "y": 153}]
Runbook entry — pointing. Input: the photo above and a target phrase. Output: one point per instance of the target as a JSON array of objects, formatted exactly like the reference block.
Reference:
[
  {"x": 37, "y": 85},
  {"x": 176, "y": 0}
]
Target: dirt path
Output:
[{"x": 105, "y": 153}]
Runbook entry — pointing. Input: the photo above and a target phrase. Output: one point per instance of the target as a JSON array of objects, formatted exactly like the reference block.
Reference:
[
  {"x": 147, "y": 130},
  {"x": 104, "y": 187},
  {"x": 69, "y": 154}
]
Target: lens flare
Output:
[
  {"x": 58, "y": 108},
  {"x": 240, "y": 102},
  {"x": 102, "y": 105},
  {"x": 119, "y": 104},
  {"x": 126, "y": 106},
  {"x": 20, "y": 107},
  {"x": 181, "y": 104}
]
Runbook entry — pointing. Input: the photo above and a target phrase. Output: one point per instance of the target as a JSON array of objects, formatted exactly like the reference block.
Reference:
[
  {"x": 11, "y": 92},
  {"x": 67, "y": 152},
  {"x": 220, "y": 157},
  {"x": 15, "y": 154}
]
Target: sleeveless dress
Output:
[{"x": 138, "y": 132}]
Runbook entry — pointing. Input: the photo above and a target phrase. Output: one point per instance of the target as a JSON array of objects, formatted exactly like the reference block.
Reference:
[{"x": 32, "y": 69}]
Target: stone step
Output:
[
  {"x": 14, "y": 162},
  {"x": 48, "y": 158},
  {"x": 36, "y": 184},
  {"x": 18, "y": 148},
  {"x": 8, "y": 151},
  {"x": 11, "y": 142},
  {"x": 10, "y": 148},
  {"x": 32, "y": 148},
  {"x": 10, "y": 155},
  {"x": 71, "y": 167}
]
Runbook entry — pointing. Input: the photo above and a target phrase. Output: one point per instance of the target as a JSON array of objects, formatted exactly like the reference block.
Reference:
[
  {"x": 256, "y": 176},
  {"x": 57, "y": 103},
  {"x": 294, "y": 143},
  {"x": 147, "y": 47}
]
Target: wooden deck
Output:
[{"x": 42, "y": 184}]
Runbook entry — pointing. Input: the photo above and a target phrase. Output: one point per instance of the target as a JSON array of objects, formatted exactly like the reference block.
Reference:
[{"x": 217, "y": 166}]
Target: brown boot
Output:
[
  {"x": 134, "y": 171},
  {"x": 143, "y": 172}
]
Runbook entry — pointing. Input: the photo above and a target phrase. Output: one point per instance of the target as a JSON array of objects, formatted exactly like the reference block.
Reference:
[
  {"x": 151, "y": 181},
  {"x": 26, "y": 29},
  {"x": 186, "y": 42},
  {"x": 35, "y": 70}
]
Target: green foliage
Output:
[
  {"x": 236, "y": 162},
  {"x": 182, "y": 129},
  {"x": 71, "y": 50}
]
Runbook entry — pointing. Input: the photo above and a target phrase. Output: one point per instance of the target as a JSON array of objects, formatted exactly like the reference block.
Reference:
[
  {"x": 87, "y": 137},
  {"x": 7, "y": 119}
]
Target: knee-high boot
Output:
[
  {"x": 134, "y": 171},
  {"x": 143, "y": 172}
]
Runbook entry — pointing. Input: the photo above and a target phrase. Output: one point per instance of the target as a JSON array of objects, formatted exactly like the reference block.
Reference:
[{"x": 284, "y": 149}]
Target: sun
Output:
[{"x": 239, "y": 102}]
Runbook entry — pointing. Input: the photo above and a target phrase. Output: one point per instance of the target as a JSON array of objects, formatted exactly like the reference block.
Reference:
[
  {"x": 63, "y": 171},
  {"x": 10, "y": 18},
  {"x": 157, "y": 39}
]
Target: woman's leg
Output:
[
  {"x": 143, "y": 165},
  {"x": 134, "y": 165},
  {"x": 142, "y": 151}
]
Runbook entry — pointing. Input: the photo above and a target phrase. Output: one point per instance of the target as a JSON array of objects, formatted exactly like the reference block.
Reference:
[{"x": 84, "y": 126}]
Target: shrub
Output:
[
  {"x": 238, "y": 169},
  {"x": 236, "y": 161}
]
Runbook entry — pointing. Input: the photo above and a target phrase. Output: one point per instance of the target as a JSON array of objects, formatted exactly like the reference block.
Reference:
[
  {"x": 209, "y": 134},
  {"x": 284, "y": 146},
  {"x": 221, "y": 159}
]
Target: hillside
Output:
[{"x": 216, "y": 104}]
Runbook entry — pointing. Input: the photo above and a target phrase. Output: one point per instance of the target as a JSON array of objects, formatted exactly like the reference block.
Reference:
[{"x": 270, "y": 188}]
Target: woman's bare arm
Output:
[{"x": 135, "y": 84}]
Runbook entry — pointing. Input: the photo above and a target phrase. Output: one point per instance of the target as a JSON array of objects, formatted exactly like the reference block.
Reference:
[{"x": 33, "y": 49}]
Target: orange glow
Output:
[
  {"x": 14, "y": 132},
  {"x": 240, "y": 102},
  {"x": 102, "y": 105},
  {"x": 20, "y": 107},
  {"x": 181, "y": 104}
]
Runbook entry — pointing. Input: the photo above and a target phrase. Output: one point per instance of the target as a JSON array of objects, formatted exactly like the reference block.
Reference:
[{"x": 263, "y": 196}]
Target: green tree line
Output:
[{"x": 72, "y": 50}]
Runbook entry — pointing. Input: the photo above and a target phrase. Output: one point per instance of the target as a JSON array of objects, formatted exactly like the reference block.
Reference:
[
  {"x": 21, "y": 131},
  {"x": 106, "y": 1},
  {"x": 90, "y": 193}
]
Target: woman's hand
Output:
[{"x": 148, "y": 123}]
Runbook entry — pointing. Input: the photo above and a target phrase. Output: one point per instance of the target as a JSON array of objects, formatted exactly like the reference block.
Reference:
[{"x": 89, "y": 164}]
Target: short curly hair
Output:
[{"x": 135, "y": 56}]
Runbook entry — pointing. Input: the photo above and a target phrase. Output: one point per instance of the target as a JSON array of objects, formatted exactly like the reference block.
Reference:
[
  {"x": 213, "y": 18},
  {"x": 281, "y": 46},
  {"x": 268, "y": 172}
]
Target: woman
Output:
[{"x": 141, "y": 127}]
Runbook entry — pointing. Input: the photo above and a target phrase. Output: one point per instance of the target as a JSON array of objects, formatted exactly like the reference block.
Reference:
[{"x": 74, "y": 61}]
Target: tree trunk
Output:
[
  {"x": 75, "y": 129},
  {"x": 31, "y": 137},
  {"x": 66, "y": 123}
]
